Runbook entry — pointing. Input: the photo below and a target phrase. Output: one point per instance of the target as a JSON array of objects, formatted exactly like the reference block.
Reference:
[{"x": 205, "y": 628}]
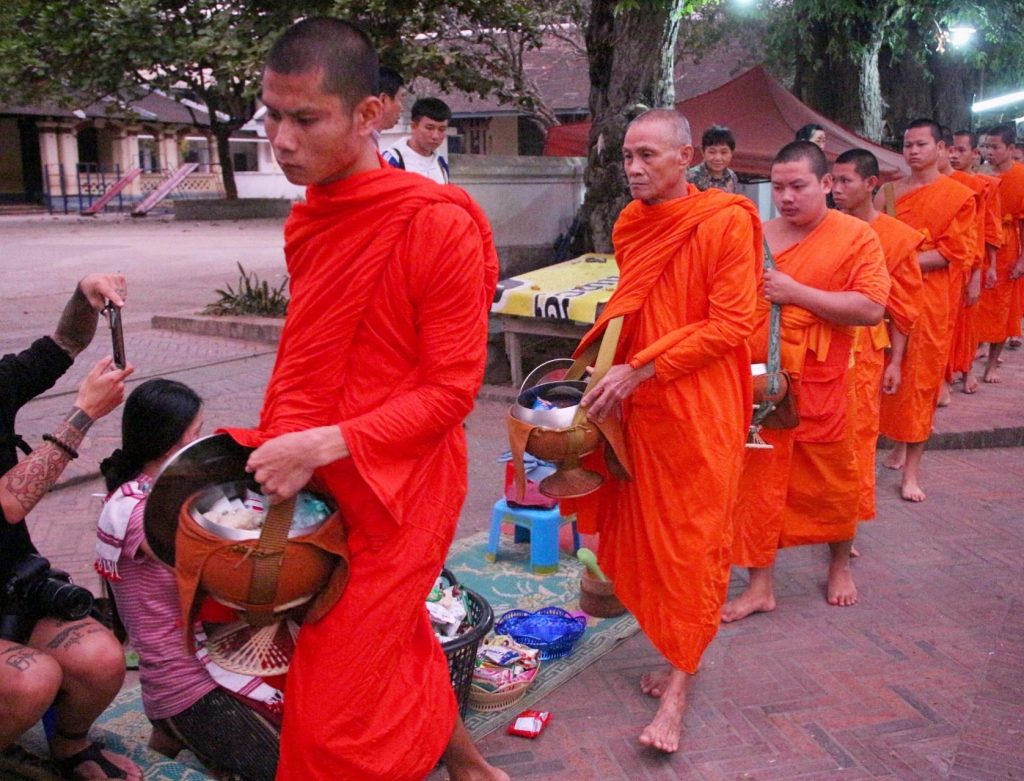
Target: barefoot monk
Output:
[
  {"x": 688, "y": 264},
  {"x": 944, "y": 210},
  {"x": 381, "y": 356},
  {"x": 830, "y": 278},
  {"x": 878, "y": 349}
]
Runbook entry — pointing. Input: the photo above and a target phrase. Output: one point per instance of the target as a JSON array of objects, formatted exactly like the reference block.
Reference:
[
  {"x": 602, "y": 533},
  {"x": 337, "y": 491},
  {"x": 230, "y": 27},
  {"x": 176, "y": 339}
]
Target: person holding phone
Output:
[{"x": 75, "y": 665}]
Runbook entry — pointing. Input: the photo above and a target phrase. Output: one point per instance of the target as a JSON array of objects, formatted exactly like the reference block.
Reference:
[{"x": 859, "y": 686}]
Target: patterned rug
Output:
[{"x": 506, "y": 584}]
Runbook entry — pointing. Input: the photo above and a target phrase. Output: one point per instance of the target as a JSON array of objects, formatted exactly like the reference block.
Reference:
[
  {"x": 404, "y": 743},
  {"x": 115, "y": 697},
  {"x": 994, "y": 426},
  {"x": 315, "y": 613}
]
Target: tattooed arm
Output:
[
  {"x": 25, "y": 484},
  {"x": 77, "y": 323}
]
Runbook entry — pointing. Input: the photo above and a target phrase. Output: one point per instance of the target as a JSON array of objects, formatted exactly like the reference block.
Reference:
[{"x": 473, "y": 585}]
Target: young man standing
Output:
[
  {"x": 716, "y": 145},
  {"x": 418, "y": 153},
  {"x": 944, "y": 209},
  {"x": 830, "y": 277},
  {"x": 392, "y": 93},
  {"x": 375, "y": 373}
]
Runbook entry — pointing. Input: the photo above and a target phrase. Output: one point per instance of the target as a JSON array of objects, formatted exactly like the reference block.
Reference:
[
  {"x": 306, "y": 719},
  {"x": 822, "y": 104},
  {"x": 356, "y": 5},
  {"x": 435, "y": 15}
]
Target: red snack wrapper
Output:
[{"x": 529, "y": 723}]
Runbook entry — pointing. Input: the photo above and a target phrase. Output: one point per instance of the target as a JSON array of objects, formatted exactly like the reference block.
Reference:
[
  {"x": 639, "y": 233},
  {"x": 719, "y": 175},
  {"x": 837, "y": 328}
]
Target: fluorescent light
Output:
[{"x": 1004, "y": 100}]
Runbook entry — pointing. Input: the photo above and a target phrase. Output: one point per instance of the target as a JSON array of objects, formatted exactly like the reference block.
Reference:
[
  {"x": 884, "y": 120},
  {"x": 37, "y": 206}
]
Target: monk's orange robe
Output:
[
  {"x": 805, "y": 489},
  {"x": 688, "y": 272},
  {"x": 899, "y": 245},
  {"x": 988, "y": 230},
  {"x": 999, "y": 311},
  {"x": 944, "y": 211},
  {"x": 391, "y": 281}
]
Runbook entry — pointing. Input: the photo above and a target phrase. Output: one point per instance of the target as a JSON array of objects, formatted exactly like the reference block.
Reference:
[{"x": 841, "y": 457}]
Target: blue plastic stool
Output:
[{"x": 539, "y": 526}]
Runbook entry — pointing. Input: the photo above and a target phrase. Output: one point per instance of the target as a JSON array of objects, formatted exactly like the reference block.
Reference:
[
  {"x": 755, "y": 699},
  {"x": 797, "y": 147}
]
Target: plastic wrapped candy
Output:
[{"x": 529, "y": 723}]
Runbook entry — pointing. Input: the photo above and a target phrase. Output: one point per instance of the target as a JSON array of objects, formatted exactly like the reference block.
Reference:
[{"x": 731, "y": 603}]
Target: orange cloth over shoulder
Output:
[
  {"x": 944, "y": 211},
  {"x": 687, "y": 287},
  {"x": 899, "y": 245},
  {"x": 805, "y": 488},
  {"x": 391, "y": 282},
  {"x": 999, "y": 311}
]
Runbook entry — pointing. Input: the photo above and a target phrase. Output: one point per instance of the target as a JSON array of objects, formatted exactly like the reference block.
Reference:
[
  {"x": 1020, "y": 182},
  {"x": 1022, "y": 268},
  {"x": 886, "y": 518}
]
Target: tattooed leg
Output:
[
  {"x": 92, "y": 662},
  {"x": 29, "y": 682}
]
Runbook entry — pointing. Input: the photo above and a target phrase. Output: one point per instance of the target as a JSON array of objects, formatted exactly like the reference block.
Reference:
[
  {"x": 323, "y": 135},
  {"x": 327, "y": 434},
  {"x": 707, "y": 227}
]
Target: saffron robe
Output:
[
  {"x": 999, "y": 310},
  {"x": 805, "y": 489},
  {"x": 391, "y": 280},
  {"x": 944, "y": 211},
  {"x": 989, "y": 232},
  {"x": 688, "y": 272},
  {"x": 899, "y": 245}
]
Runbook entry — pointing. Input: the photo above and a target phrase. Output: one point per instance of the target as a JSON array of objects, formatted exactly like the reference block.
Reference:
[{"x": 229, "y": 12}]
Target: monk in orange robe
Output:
[
  {"x": 999, "y": 315},
  {"x": 381, "y": 356},
  {"x": 688, "y": 265},
  {"x": 854, "y": 180},
  {"x": 830, "y": 278},
  {"x": 944, "y": 211},
  {"x": 990, "y": 238}
]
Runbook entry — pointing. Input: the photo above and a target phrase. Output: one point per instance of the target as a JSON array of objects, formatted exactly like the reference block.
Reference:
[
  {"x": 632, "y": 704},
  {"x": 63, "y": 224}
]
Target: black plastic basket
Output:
[{"x": 461, "y": 651}]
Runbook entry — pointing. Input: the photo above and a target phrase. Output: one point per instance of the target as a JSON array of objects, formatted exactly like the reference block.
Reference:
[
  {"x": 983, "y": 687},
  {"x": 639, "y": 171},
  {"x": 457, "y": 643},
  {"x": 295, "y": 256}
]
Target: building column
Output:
[
  {"x": 169, "y": 157},
  {"x": 49, "y": 156}
]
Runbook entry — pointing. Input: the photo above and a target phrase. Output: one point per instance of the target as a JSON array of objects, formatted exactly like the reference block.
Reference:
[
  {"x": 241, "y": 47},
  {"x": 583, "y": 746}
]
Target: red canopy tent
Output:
[{"x": 762, "y": 115}]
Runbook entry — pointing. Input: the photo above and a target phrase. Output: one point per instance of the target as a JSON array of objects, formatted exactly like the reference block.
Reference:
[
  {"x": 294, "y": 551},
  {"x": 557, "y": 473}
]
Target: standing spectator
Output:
[
  {"x": 418, "y": 153},
  {"x": 716, "y": 145},
  {"x": 814, "y": 133},
  {"x": 391, "y": 93}
]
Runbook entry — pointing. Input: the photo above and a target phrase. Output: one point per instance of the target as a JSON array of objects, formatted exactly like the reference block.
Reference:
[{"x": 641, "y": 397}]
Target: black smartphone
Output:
[{"x": 113, "y": 314}]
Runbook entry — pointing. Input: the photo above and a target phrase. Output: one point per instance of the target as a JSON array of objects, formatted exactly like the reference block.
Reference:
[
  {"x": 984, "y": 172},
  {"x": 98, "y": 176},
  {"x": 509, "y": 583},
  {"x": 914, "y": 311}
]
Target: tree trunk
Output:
[
  {"x": 826, "y": 82},
  {"x": 953, "y": 89},
  {"x": 872, "y": 107},
  {"x": 632, "y": 58},
  {"x": 906, "y": 83},
  {"x": 227, "y": 166}
]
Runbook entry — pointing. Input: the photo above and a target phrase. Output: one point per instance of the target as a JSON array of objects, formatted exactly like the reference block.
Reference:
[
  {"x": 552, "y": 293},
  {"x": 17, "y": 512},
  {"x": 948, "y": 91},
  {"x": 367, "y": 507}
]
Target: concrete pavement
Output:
[{"x": 923, "y": 679}]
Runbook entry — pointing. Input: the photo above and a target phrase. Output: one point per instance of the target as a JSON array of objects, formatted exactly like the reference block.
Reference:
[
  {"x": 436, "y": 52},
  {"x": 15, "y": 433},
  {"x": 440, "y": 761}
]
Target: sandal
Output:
[{"x": 92, "y": 753}]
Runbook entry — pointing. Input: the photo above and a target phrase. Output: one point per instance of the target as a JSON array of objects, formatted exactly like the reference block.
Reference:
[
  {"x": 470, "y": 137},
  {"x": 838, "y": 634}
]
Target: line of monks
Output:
[{"x": 884, "y": 303}]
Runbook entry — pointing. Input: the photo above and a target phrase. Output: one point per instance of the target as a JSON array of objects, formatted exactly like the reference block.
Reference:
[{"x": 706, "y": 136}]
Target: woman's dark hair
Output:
[
  {"x": 805, "y": 133},
  {"x": 156, "y": 415}
]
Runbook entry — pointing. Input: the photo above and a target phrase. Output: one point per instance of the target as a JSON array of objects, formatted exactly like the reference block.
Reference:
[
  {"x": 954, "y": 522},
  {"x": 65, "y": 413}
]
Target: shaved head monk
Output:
[
  {"x": 688, "y": 264},
  {"x": 830, "y": 278},
  {"x": 375, "y": 372},
  {"x": 989, "y": 230},
  {"x": 999, "y": 312},
  {"x": 944, "y": 210},
  {"x": 878, "y": 349}
]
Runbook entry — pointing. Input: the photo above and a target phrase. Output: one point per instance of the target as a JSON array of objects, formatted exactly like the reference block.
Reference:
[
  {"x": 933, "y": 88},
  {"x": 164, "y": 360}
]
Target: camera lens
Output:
[{"x": 57, "y": 597}]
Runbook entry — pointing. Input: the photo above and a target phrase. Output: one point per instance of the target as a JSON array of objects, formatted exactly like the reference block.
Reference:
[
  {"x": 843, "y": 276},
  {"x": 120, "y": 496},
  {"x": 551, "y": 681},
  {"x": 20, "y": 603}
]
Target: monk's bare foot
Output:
[
  {"x": 854, "y": 553},
  {"x": 653, "y": 684},
  {"x": 841, "y": 589},
  {"x": 970, "y": 383},
  {"x": 992, "y": 374},
  {"x": 749, "y": 602},
  {"x": 911, "y": 491},
  {"x": 944, "y": 396},
  {"x": 1014, "y": 343},
  {"x": 897, "y": 457},
  {"x": 664, "y": 730},
  {"x": 464, "y": 761}
]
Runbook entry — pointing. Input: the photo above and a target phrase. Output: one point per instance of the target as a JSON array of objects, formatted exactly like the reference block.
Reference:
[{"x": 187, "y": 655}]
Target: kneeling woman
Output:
[{"x": 183, "y": 702}]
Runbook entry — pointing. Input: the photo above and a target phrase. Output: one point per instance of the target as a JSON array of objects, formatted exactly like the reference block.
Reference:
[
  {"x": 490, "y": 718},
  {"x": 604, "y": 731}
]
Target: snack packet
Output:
[{"x": 529, "y": 723}]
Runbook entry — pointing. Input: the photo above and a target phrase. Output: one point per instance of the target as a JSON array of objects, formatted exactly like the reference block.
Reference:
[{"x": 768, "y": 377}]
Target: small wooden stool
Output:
[{"x": 536, "y": 524}]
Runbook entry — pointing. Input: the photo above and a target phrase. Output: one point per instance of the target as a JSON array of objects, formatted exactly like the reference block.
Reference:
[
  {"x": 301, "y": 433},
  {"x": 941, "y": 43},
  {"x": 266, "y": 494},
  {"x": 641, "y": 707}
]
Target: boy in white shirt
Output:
[{"x": 418, "y": 153}]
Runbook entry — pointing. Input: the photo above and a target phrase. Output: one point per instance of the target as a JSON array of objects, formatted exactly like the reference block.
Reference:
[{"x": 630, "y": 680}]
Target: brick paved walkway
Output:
[{"x": 924, "y": 679}]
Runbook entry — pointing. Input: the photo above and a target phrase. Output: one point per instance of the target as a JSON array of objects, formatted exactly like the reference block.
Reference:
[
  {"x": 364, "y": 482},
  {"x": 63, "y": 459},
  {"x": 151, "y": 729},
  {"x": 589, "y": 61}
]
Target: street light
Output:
[{"x": 961, "y": 35}]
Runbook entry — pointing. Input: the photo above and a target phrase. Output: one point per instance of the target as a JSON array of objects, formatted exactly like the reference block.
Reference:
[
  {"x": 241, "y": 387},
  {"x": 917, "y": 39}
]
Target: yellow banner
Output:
[{"x": 573, "y": 290}]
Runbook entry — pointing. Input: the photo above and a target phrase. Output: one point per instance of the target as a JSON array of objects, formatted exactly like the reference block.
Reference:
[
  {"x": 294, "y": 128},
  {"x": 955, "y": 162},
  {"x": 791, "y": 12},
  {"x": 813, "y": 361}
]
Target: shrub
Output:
[{"x": 252, "y": 297}]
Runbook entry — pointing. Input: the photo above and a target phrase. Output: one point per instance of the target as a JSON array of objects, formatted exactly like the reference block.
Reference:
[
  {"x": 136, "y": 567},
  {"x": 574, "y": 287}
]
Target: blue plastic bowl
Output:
[{"x": 551, "y": 630}]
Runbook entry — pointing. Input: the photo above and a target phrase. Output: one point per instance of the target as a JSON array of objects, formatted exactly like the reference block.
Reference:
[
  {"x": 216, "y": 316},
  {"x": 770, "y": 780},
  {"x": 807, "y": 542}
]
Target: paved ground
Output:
[{"x": 924, "y": 679}]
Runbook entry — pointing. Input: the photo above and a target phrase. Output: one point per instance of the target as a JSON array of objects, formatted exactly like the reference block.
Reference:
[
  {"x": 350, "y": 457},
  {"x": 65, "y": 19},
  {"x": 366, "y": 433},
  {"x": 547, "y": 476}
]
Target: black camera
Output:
[{"x": 34, "y": 590}]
